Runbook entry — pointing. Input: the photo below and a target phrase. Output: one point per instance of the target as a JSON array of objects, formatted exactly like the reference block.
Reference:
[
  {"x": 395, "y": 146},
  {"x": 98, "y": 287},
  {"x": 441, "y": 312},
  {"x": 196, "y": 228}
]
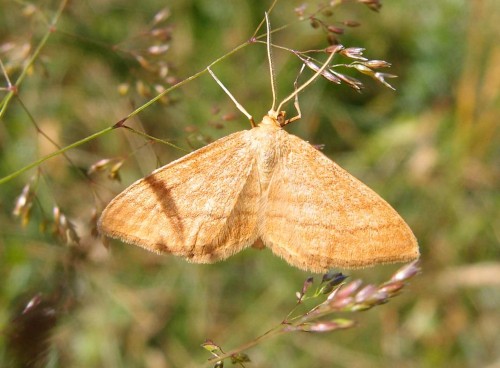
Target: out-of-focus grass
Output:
[{"x": 431, "y": 149}]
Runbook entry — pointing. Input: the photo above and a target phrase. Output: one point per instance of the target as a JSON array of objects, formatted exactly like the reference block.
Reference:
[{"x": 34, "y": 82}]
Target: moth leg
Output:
[{"x": 296, "y": 100}]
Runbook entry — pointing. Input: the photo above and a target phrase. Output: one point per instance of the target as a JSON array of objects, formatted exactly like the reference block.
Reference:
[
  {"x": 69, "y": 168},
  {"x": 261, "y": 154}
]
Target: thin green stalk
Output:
[
  {"x": 278, "y": 330},
  {"x": 154, "y": 139},
  {"x": 53, "y": 154},
  {"x": 181, "y": 83},
  {"x": 14, "y": 89}
]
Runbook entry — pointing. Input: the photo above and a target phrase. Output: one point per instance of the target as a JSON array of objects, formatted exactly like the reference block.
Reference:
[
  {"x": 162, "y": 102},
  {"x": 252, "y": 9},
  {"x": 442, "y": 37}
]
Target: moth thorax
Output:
[{"x": 267, "y": 153}]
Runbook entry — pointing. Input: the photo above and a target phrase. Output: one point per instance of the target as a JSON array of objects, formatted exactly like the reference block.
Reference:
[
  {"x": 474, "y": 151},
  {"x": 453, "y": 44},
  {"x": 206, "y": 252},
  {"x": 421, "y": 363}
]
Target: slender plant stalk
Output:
[
  {"x": 53, "y": 154},
  {"x": 14, "y": 89},
  {"x": 278, "y": 330},
  {"x": 336, "y": 297}
]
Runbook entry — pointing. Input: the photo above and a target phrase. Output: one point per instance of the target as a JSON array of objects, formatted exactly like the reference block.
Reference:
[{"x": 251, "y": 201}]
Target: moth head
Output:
[
  {"x": 275, "y": 118},
  {"x": 281, "y": 118}
]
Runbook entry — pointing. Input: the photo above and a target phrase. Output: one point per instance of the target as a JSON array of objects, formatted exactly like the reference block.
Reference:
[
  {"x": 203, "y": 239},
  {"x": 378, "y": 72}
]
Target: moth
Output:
[{"x": 261, "y": 186}]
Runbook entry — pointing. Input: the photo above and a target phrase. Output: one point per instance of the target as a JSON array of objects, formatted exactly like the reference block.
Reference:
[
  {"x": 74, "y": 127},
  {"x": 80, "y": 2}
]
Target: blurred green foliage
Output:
[{"x": 431, "y": 148}]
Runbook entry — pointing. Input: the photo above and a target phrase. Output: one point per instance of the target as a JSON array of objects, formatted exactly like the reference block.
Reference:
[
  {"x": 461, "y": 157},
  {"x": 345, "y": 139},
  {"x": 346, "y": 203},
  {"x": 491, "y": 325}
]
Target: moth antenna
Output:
[
  {"x": 308, "y": 82},
  {"x": 238, "y": 105},
  {"x": 270, "y": 59}
]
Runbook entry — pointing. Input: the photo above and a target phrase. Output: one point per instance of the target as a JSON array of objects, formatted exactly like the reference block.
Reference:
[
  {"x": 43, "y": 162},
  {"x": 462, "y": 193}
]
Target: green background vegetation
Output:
[{"x": 431, "y": 149}]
